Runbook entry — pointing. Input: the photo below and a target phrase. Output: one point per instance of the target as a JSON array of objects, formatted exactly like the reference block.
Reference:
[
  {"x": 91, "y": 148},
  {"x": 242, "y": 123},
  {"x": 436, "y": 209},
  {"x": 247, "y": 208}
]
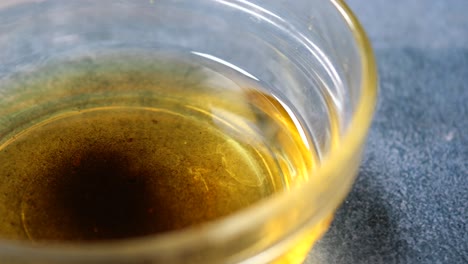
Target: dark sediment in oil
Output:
[{"x": 121, "y": 173}]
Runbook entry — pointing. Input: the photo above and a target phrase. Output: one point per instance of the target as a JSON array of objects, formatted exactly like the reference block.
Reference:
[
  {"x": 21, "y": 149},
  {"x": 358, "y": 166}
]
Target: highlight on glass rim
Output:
[{"x": 217, "y": 131}]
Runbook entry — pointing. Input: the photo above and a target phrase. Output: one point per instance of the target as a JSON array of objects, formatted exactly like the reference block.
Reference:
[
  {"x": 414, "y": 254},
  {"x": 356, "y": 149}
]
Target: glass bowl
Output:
[{"x": 314, "y": 54}]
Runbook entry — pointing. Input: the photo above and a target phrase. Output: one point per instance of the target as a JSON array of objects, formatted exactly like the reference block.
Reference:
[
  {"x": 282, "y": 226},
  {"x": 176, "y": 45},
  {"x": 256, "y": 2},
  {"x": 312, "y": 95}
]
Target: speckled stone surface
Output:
[{"x": 410, "y": 202}]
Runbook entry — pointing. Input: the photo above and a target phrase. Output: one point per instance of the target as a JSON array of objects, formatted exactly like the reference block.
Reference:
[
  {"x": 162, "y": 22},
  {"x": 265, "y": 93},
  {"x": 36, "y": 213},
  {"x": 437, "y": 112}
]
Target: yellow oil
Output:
[{"x": 128, "y": 145}]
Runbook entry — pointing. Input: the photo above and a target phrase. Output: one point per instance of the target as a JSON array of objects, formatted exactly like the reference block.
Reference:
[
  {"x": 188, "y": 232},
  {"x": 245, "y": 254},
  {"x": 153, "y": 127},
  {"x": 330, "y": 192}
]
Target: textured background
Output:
[{"x": 409, "y": 204}]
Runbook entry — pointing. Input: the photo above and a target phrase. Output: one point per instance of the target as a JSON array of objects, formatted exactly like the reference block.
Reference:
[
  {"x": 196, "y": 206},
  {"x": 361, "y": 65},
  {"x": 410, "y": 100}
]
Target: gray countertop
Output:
[{"x": 409, "y": 204}]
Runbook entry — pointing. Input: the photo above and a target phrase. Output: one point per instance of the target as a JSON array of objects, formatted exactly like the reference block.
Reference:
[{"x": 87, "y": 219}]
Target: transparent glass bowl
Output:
[{"x": 314, "y": 53}]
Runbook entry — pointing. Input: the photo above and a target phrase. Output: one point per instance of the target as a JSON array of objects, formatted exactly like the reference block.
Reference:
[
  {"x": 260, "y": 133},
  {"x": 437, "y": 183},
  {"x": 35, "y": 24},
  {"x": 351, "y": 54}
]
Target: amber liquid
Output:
[{"x": 123, "y": 146}]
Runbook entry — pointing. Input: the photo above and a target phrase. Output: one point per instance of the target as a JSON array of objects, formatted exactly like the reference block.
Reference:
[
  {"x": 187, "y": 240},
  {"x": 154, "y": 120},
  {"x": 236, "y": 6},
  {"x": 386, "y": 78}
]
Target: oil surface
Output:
[{"x": 124, "y": 146}]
